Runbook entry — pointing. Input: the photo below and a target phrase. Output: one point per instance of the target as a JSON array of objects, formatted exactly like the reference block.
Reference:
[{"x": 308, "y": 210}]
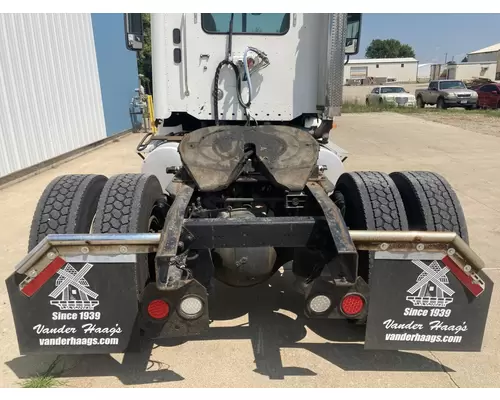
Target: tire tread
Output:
[{"x": 66, "y": 206}]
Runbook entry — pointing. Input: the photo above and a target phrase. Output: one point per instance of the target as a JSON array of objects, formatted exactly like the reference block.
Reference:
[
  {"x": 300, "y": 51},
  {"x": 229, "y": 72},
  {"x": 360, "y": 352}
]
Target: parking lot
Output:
[
  {"x": 259, "y": 337},
  {"x": 357, "y": 94}
]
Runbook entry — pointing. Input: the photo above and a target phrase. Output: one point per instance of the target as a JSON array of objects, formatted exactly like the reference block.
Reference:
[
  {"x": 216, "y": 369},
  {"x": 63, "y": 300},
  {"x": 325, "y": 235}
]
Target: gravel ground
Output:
[
  {"x": 259, "y": 337},
  {"x": 485, "y": 124}
]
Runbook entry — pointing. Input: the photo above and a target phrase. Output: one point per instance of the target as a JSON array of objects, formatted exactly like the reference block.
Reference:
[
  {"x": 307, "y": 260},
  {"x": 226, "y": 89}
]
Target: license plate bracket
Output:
[{"x": 416, "y": 303}]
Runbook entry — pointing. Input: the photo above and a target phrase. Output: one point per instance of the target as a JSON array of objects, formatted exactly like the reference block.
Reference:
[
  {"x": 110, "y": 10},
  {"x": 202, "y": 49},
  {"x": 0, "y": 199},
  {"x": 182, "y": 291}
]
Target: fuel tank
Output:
[{"x": 243, "y": 266}]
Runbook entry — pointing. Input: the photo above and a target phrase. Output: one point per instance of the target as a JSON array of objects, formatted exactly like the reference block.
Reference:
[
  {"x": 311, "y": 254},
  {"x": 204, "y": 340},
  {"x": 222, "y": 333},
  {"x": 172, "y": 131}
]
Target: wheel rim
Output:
[{"x": 155, "y": 225}]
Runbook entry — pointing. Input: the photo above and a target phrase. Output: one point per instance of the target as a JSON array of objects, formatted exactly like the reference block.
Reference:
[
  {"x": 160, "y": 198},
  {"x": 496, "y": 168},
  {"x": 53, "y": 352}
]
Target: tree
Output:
[
  {"x": 388, "y": 48},
  {"x": 144, "y": 59},
  {"x": 466, "y": 59}
]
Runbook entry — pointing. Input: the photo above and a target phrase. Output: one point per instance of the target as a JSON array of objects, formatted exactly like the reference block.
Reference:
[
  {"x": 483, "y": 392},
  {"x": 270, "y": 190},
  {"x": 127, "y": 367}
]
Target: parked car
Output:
[
  {"x": 488, "y": 96},
  {"x": 447, "y": 93},
  {"x": 393, "y": 95}
]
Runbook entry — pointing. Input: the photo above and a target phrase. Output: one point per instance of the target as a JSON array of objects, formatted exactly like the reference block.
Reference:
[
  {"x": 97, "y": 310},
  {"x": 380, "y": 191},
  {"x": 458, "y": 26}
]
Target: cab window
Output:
[
  {"x": 247, "y": 23},
  {"x": 488, "y": 88}
]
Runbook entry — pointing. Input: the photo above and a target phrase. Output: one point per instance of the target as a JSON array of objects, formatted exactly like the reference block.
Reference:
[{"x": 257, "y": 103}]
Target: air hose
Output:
[
  {"x": 229, "y": 61},
  {"x": 238, "y": 89}
]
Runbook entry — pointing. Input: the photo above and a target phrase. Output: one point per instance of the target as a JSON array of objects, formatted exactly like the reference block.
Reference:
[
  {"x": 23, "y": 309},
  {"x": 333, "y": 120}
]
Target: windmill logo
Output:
[
  {"x": 73, "y": 290},
  {"x": 431, "y": 286}
]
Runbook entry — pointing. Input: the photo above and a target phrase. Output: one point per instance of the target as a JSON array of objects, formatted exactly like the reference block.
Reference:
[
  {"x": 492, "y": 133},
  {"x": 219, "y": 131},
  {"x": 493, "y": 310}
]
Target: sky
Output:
[{"x": 433, "y": 35}]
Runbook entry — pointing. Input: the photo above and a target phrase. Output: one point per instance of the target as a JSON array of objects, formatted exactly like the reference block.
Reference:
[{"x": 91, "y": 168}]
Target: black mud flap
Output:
[
  {"x": 418, "y": 303},
  {"x": 77, "y": 305}
]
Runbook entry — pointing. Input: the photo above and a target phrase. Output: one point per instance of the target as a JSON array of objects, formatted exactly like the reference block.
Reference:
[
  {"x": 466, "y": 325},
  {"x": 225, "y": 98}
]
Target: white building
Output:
[
  {"x": 483, "y": 63},
  {"x": 490, "y": 53},
  {"x": 66, "y": 82},
  {"x": 464, "y": 71},
  {"x": 393, "y": 69}
]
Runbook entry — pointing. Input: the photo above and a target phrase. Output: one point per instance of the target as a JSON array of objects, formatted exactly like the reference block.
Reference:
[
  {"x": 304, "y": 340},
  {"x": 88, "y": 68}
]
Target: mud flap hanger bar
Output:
[{"x": 458, "y": 256}]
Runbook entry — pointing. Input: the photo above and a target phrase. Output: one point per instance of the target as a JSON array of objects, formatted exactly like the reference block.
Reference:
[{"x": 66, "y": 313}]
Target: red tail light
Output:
[
  {"x": 158, "y": 309},
  {"x": 352, "y": 304}
]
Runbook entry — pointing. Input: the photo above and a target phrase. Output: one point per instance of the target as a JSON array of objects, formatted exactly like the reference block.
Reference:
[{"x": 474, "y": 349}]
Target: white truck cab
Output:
[
  {"x": 295, "y": 64},
  {"x": 245, "y": 68}
]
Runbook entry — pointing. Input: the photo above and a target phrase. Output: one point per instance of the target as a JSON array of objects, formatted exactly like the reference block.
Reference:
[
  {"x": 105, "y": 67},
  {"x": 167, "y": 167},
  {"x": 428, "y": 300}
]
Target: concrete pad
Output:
[
  {"x": 391, "y": 142},
  {"x": 259, "y": 337}
]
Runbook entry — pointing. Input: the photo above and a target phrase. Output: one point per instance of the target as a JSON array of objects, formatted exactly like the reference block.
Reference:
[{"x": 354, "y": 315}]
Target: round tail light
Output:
[
  {"x": 352, "y": 304},
  {"x": 158, "y": 309},
  {"x": 320, "y": 304},
  {"x": 191, "y": 307}
]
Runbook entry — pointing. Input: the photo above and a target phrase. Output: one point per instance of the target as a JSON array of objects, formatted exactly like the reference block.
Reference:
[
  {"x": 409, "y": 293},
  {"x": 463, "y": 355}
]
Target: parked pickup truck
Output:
[{"x": 446, "y": 93}]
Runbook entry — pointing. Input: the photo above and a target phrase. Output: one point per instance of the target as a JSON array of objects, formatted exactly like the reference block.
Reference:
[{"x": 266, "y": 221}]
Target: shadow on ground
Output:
[{"x": 269, "y": 330}]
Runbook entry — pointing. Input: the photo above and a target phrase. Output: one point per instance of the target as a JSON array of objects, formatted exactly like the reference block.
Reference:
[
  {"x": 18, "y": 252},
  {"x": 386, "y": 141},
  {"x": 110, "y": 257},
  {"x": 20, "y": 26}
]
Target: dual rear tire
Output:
[
  {"x": 132, "y": 203},
  {"x": 125, "y": 203},
  {"x": 416, "y": 200}
]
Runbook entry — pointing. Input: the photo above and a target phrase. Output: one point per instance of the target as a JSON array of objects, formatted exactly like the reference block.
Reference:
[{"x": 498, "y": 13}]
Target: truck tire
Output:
[
  {"x": 371, "y": 202},
  {"x": 420, "y": 102},
  {"x": 131, "y": 203},
  {"x": 67, "y": 205},
  {"x": 430, "y": 202},
  {"x": 440, "y": 104}
]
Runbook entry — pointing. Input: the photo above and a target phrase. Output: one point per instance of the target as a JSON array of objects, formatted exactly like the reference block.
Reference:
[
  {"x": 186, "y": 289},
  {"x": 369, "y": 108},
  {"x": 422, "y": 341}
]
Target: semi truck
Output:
[{"x": 242, "y": 178}]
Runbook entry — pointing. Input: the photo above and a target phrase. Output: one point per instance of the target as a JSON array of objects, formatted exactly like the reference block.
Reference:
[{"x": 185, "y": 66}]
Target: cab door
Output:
[
  {"x": 483, "y": 96},
  {"x": 496, "y": 97},
  {"x": 487, "y": 96},
  {"x": 432, "y": 93}
]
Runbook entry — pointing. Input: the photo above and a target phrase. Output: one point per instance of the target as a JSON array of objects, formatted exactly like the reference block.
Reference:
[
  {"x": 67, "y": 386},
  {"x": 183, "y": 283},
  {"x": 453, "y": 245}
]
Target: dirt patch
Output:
[{"x": 485, "y": 124}]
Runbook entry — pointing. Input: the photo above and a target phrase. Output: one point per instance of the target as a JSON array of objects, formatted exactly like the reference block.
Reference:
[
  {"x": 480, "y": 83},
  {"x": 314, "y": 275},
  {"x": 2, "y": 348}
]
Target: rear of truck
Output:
[{"x": 232, "y": 191}]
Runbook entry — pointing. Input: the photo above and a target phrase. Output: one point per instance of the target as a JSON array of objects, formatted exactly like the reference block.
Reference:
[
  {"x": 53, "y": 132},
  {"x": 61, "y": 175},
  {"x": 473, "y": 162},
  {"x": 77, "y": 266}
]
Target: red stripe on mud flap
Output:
[
  {"x": 31, "y": 288},
  {"x": 466, "y": 280}
]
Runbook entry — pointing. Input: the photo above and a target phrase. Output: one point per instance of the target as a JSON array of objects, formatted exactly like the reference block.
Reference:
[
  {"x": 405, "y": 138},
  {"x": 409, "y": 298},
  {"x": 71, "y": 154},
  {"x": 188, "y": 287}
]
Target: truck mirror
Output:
[
  {"x": 353, "y": 34},
  {"x": 134, "y": 33}
]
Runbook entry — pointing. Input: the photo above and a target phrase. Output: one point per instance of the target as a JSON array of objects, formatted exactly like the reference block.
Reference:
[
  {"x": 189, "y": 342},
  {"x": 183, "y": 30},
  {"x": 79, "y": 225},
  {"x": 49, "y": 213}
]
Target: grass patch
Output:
[
  {"x": 356, "y": 108},
  {"x": 47, "y": 379},
  {"x": 41, "y": 382}
]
